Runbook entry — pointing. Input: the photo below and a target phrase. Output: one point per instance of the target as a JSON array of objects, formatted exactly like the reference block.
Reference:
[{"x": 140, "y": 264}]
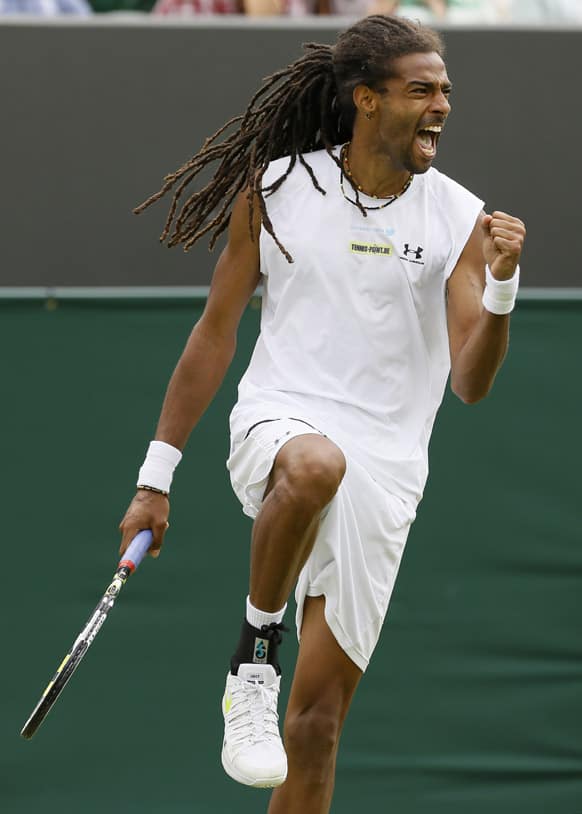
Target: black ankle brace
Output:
[{"x": 258, "y": 646}]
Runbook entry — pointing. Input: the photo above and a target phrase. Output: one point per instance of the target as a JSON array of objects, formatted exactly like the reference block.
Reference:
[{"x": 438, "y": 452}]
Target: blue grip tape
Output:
[{"x": 138, "y": 548}]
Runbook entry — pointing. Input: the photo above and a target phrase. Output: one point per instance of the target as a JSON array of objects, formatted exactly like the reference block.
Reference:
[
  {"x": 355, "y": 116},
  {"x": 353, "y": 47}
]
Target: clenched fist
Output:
[{"x": 502, "y": 243}]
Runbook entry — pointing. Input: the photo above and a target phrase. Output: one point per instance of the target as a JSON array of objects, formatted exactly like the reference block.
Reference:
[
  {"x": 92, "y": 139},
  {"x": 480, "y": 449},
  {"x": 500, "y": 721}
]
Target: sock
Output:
[
  {"x": 258, "y": 618},
  {"x": 258, "y": 644}
]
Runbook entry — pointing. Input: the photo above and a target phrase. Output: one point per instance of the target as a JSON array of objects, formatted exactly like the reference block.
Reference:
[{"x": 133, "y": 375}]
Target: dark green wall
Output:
[{"x": 473, "y": 703}]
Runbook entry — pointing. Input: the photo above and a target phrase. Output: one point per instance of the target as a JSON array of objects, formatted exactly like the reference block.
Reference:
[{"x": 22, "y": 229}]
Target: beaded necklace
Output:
[{"x": 346, "y": 171}]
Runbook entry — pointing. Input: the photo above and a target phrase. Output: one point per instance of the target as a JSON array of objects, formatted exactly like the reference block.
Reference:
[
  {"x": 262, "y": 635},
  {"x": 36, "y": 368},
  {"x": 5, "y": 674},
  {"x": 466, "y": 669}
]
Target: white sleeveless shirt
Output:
[{"x": 353, "y": 333}]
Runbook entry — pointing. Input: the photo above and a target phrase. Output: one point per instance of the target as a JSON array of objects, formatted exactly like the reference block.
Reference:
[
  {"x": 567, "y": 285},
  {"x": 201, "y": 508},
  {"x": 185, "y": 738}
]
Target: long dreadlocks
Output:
[{"x": 304, "y": 107}]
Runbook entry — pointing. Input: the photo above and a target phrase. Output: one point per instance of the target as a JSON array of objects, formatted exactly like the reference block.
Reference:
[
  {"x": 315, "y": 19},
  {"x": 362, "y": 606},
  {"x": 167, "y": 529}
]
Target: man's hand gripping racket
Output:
[{"x": 132, "y": 557}]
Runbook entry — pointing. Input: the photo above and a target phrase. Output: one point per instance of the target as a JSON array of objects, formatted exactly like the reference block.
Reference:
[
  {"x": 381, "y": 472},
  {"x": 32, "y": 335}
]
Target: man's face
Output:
[{"x": 413, "y": 99}]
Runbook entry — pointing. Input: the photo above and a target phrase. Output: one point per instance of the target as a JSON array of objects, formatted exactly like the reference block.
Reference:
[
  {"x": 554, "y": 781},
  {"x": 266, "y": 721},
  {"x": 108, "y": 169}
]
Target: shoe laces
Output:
[
  {"x": 274, "y": 632},
  {"x": 253, "y": 716}
]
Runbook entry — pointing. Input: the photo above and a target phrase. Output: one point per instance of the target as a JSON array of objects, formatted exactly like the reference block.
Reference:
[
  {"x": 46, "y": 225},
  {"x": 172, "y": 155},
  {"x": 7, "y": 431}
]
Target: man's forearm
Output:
[
  {"x": 195, "y": 381},
  {"x": 481, "y": 356}
]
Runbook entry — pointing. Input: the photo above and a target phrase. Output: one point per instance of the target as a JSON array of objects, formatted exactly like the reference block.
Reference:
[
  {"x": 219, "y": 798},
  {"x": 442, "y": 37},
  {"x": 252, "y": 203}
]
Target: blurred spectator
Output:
[
  {"x": 268, "y": 8},
  {"x": 454, "y": 11},
  {"x": 187, "y": 8},
  {"x": 437, "y": 8},
  {"x": 427, "y": 11},
  {"x": 45, "y": 8},
  {"x": 356, "y": 8},
  {"x": 102, "y": 6},
  {"x": 546, "y": 11},
  {"x": 493, "y": 11},
  {"x": 298, "y": 8}
]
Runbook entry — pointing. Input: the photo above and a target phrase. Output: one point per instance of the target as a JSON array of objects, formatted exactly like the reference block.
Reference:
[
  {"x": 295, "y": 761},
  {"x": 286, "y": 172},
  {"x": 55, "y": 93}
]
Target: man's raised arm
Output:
[{"x": 479, "y": 302}]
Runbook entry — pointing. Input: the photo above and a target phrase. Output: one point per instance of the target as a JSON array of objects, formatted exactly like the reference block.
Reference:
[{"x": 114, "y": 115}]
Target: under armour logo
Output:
[{"x": 416, "y": 252}]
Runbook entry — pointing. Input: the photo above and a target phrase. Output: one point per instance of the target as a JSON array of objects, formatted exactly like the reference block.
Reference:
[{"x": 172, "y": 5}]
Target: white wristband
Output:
[
  {"x": 499, "y": 295},
  {"x": 158, "y": 468}
]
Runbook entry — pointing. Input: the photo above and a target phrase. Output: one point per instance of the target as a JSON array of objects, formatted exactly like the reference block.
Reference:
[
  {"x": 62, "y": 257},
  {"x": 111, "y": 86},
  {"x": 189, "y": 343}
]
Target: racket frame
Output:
[{"x": 133, "y": 556}]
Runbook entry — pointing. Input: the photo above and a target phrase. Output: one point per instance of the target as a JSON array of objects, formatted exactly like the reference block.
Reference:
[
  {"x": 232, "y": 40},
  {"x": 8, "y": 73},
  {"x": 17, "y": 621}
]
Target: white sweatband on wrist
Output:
[
  {"x": 499, "y": 295},
  {"x": 157, "y": 470}
]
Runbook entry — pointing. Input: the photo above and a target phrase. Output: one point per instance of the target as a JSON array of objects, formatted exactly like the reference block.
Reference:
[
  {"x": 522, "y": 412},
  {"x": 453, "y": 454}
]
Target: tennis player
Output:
[{"x": 380, "y": 277}]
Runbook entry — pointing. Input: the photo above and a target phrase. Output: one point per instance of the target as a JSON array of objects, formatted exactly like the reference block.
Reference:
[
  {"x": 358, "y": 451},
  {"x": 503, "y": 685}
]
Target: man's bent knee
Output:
[
  {"x": 311, "y": 737},
  {"x": 309, "y": 469}
]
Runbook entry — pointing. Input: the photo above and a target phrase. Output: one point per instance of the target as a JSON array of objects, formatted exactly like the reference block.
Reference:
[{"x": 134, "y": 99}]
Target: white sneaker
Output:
[{"x": 253, "y": 753}]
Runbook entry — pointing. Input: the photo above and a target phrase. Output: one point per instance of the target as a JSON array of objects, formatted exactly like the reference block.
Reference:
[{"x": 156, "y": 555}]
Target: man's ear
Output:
[{"x": 365, "y": 100}]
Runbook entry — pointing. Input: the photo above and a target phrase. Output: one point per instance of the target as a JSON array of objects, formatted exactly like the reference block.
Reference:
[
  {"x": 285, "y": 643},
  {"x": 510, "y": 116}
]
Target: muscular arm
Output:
[
  {"x": 203, "y": 363},
  {"x": 478, "y": 339}
]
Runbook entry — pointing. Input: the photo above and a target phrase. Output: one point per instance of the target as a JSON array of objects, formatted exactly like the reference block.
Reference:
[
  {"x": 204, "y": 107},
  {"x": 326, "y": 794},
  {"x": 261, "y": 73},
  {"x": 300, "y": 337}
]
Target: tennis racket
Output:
[{"x": 134, "y": 554}]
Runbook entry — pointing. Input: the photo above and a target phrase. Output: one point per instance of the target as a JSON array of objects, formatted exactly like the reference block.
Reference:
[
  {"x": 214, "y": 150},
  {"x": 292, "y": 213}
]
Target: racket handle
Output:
[{"x": 137, "y": 549}]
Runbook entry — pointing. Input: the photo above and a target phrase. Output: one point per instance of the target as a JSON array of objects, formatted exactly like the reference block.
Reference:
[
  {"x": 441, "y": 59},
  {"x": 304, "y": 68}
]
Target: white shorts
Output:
[{"x": 359, "y": 545}]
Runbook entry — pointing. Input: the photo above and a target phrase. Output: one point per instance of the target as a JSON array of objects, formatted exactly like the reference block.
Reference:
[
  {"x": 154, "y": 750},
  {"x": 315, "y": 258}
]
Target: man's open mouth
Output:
[{"x": 427, "y": 138}]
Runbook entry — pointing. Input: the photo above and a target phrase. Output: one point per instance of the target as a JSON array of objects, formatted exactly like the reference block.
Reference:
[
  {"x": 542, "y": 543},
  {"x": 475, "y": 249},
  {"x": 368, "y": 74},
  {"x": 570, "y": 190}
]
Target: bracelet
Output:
[
  {"x": 152, "y": 489},
  {"x": 158, "y": 468},
  {"x": 499, "y": 295}
]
